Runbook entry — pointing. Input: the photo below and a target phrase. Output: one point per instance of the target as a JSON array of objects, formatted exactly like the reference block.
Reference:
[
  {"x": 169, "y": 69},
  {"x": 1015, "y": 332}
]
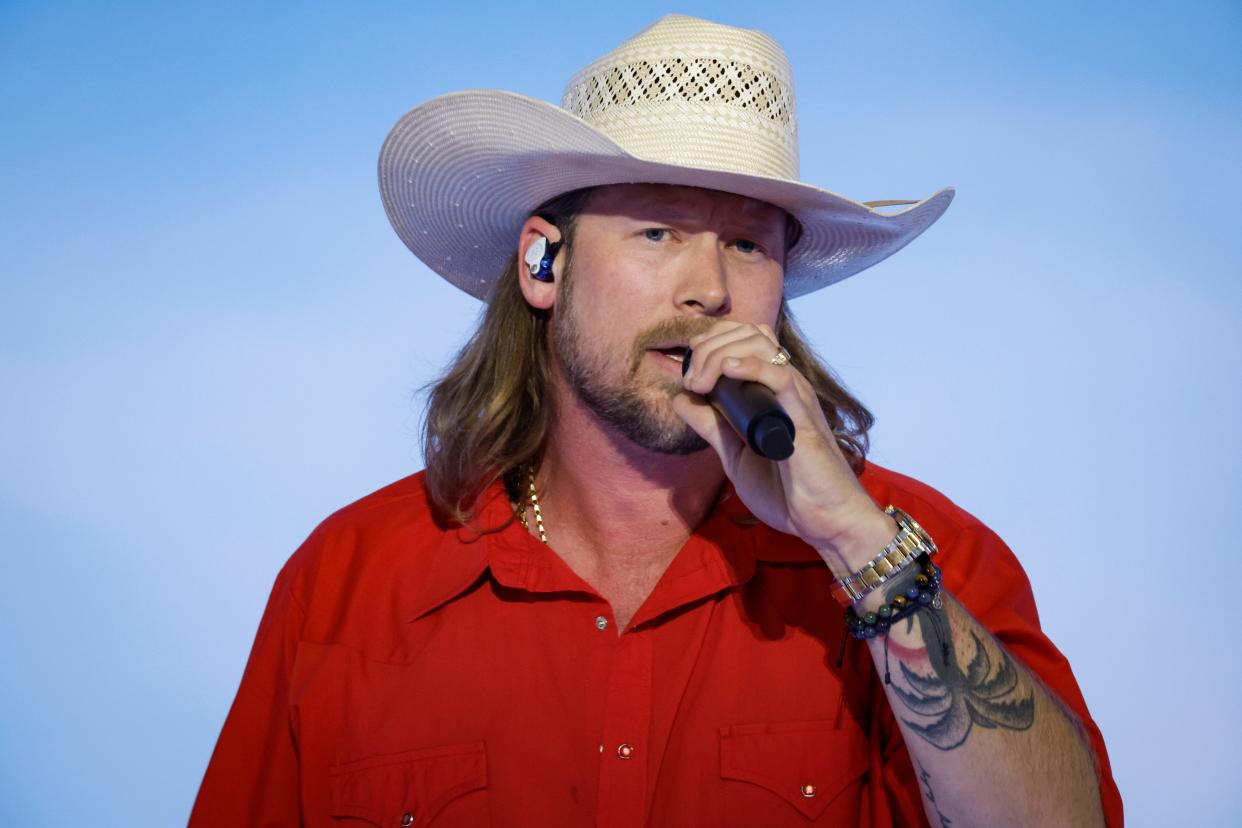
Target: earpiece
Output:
[{"x": 539, "y": 257}]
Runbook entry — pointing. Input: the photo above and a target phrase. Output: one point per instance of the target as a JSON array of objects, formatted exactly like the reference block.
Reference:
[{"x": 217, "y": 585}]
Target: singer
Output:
[{"x": 598, "y": 605}]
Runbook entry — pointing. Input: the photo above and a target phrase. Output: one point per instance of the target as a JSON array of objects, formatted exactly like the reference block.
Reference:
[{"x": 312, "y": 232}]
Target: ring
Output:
[{"x": 781, "y": 357}]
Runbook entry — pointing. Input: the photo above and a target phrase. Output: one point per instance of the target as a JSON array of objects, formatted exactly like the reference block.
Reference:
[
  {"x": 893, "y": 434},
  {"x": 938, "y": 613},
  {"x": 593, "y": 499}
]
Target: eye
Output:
[
  {"x": 747, "y": 246},
  {"x": 656, "y": 234}
]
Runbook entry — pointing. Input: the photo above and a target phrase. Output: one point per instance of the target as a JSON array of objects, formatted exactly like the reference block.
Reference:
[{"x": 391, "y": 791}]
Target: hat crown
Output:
[{"x": 693, "y": 93}]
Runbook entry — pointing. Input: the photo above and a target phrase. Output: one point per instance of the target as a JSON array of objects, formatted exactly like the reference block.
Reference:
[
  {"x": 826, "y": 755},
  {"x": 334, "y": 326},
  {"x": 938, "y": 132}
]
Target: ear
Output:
[{"x": 538, "y": 294}]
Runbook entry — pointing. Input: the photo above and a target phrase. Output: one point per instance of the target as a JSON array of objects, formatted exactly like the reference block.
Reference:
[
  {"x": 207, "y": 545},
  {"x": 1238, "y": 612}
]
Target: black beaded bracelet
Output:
[{"x": 923, "y": 592}]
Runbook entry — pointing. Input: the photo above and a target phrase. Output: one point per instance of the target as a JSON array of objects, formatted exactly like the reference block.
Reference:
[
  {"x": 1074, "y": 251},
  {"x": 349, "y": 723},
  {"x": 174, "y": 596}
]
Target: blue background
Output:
[{"x": 211, "y": 338}]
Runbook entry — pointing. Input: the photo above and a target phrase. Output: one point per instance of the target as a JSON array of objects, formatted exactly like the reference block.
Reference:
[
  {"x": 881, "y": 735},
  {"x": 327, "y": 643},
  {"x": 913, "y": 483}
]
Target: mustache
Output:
[{"x": 669, "y": 329}]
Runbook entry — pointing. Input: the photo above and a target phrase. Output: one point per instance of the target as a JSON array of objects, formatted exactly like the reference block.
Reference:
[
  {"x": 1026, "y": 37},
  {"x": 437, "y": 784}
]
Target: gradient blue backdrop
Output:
[{"x": 211, "y": 338}]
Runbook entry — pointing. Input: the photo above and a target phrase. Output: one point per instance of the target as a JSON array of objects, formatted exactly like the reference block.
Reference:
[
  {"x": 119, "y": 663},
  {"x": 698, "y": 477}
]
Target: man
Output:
[{"x": 599, "y": 604}]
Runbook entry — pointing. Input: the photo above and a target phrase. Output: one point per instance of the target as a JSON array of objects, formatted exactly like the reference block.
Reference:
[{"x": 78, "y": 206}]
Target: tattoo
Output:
[
  {"x": 956, "y": 699},
  {"x": 925, "y": 777}
]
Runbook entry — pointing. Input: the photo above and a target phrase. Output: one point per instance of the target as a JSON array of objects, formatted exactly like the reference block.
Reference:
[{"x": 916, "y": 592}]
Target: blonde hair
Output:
[{"x": 488, "y": 415}]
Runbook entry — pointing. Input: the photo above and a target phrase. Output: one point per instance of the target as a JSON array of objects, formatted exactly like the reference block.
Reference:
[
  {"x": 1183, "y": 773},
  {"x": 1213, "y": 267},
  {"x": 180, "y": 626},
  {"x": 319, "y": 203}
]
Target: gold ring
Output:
[{"x": 781, "y": 357}]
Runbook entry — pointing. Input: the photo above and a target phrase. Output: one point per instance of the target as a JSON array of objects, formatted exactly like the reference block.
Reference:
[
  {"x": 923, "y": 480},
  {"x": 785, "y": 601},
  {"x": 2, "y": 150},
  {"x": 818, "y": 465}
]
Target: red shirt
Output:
[{"x": 406, "y": 672}]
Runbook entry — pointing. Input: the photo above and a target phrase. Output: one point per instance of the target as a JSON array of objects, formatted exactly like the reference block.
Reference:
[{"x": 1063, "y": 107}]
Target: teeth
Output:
[{"x": 675, "y": 357}]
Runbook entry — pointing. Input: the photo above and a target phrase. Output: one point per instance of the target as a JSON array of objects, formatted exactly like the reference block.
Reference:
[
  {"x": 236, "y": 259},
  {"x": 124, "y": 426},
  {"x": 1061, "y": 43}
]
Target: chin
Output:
[
  {"x": 692, "y": 444},
  {"x": 663, "y": 431}
]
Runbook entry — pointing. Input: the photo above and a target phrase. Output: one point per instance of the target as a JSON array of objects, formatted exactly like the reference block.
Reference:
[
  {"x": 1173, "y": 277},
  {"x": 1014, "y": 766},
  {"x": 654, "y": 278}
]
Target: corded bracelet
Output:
[{"x": 924, "y": 592}]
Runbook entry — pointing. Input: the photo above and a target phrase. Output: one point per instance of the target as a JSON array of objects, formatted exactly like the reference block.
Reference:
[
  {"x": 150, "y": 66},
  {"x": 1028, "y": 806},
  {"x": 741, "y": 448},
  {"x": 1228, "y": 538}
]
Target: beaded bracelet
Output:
[{"x": 924, "y": 592}]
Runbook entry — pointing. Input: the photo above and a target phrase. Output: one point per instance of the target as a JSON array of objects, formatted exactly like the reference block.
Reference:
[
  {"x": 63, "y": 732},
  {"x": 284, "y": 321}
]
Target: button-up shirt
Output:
[{"x": 411, "y": 672}]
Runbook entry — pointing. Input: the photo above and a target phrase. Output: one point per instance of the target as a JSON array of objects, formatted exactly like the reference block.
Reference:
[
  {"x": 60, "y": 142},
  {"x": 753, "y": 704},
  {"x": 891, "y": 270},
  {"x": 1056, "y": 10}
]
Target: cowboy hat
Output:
[{"x": 685, "y": 101}]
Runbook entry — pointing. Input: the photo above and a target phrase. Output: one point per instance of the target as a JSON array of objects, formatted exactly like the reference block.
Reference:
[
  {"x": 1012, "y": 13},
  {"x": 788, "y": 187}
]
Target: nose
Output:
[{"x": 703, "y": 285}]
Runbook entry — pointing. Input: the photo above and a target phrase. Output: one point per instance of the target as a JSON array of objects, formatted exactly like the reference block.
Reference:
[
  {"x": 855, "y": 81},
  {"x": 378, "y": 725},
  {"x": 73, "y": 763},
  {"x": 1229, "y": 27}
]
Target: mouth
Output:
[
  {"x": 673, "y": 352},
  {"x": 672, "y": 356}
]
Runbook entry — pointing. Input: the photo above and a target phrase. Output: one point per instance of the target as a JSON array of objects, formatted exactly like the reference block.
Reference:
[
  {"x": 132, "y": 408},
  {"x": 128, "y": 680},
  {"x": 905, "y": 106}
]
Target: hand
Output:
[{"x": 814, "y": 494}]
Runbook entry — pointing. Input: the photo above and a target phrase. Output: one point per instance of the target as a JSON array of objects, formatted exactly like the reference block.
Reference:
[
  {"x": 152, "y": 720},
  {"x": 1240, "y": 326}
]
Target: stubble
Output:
[{"x": 639, "y": 410}]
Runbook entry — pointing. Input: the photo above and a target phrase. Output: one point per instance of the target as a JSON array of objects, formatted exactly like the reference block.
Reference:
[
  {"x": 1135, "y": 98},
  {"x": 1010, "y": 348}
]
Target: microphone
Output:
[{"x": 751, "y": 408}]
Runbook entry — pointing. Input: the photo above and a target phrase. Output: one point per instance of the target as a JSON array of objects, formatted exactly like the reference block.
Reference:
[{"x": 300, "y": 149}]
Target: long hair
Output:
[{"x": 489, "y": 415}]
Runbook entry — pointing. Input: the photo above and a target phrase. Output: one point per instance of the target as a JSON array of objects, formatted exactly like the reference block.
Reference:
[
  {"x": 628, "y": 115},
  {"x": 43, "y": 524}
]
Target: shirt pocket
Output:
[
  {"x": 792, "y": 772},
  {"x": 413, "y": 788}
]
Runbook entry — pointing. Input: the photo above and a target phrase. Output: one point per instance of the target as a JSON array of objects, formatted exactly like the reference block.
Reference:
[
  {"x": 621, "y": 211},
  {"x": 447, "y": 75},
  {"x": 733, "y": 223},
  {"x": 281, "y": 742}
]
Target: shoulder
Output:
[
  {"x": 930, "y": 507},
  {"x": 979, "y": 567},
  {"x": 397, "y": 515},
  {"x": 366, "y": 561},
  {"x": 399, "y": 506}
]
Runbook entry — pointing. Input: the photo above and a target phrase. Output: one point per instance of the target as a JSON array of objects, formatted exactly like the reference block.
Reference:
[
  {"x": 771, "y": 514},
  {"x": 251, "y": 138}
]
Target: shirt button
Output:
[
  {"x": 407, "y": 818},
  {"x": 601, "y": 623},
  {"x": 625, "y": 751},
  {"x": 809, "y": 790}
]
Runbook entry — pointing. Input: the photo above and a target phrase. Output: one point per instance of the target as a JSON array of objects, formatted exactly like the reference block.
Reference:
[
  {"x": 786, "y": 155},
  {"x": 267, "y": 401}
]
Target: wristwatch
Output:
[{"x": 910, "y": 543}]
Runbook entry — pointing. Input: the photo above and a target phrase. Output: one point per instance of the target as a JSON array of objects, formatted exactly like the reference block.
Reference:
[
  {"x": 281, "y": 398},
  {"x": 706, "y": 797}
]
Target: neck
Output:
[{"x": 612, "y": 505}]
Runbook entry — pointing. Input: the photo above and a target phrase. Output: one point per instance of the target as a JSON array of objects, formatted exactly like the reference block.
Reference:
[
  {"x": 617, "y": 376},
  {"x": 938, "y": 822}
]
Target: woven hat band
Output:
[
  {"x": 704, "y": 112},
  {"x": 692, "y": 93},
  {"x": 705, "y": 136}
]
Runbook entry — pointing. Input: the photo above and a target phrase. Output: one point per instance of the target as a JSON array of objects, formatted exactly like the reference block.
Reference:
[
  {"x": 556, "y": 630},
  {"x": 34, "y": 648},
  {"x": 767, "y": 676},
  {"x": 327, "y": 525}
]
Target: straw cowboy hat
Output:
[{"x": 685, "y": 101}]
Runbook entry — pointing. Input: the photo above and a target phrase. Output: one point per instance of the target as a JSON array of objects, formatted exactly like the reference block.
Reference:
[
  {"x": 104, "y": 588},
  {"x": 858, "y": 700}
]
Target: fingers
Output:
[
  {"x": 781, "y": 379},
  {"x": 705, "y": 344},
  {"x": 791, "y": 389},
  {"x": 726, "y": 340}
]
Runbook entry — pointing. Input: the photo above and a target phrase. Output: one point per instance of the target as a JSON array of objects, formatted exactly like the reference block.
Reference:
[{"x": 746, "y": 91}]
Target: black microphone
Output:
[{"x": 751, "y": 408}]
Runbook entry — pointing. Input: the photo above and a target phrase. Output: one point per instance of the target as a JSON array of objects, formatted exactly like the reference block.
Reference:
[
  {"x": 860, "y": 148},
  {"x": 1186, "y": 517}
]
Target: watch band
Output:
[{"x": 910, "y": 543}]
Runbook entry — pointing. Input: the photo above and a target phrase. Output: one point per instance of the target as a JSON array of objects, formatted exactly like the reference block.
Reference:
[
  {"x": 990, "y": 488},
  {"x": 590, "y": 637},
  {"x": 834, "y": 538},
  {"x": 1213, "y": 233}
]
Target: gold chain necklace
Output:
[{"x": 534, "y": 504}]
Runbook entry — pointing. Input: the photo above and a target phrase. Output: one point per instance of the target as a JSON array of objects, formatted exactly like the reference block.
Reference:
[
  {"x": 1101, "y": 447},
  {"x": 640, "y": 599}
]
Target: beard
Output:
[{"x": 642, "y": 414}]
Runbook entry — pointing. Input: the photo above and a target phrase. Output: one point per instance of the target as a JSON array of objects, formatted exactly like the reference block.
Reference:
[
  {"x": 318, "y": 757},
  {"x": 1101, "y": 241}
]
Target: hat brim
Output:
[{"x": 460, "y": 174}]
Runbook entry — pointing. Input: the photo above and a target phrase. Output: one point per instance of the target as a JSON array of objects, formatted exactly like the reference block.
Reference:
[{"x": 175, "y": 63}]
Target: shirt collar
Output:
[
  {"x": 462, "y": 556},
  {"x": 721, "y": 554}
]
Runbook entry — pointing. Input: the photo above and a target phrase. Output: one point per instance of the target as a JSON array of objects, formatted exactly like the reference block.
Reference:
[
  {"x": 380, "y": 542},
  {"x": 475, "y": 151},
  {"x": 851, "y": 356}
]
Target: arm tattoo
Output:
[
  {"x": 957, "y": 698},
  {"x": 925, "y": 778}
]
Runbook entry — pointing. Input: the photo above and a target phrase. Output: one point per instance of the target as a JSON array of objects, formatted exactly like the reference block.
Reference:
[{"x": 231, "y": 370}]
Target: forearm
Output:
[{"x": 990, "y": 744}]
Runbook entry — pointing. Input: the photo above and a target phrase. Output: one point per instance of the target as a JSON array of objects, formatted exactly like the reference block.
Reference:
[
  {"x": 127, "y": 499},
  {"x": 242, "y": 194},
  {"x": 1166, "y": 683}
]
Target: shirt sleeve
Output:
[
  {"x": 983, "y": 574},
  {"x": 252, "y": 778}
]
